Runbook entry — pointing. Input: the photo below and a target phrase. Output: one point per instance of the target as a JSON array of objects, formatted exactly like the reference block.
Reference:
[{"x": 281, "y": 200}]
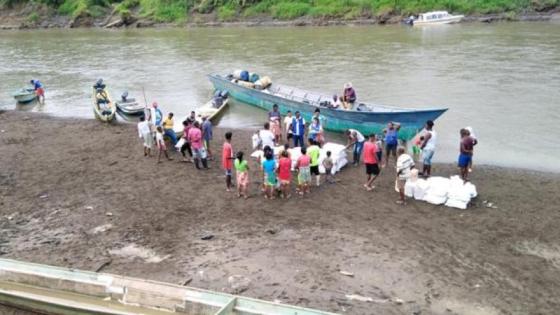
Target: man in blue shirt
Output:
[
  {"x": 298, "y": 130},
  {"x": 207, "y": 135},
  {"x": 39, "y": 90}
]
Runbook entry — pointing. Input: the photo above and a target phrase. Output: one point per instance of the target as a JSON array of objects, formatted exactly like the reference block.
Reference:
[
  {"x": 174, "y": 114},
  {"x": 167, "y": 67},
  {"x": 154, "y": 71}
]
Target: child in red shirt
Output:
[
  {"x": 227, "y": 159},
  {"x": 285, "y": 173}
]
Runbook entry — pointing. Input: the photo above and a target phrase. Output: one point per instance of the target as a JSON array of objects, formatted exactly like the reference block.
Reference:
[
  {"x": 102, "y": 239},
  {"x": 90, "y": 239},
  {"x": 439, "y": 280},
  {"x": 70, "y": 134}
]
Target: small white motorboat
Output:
[{"x": 434, "y": 18}]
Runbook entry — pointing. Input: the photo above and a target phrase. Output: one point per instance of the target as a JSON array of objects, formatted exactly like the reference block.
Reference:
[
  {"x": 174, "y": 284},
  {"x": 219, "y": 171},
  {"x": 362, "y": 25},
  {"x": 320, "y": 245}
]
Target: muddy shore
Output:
[
  {"x": 18, "y": 18},
  {"x": 78, "y": 193}
]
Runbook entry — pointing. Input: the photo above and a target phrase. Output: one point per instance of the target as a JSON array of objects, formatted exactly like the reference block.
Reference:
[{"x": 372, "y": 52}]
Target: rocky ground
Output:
[{"x": 78, "y": 193}]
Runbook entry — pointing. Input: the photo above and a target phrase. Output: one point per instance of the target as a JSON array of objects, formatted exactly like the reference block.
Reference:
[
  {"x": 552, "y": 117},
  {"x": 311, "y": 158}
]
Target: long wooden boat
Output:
[
  {"x": 372, "y": 119},
  {"x": 25, "y": 95},
  {"x": 62, "y": 291},
  {"x": 210, "y": 110},
  {"x": 106, "y": 114}
]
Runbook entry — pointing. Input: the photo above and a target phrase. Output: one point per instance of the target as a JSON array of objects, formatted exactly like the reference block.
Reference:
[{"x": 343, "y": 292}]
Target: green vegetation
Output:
[{"x": 230, "y": 10}]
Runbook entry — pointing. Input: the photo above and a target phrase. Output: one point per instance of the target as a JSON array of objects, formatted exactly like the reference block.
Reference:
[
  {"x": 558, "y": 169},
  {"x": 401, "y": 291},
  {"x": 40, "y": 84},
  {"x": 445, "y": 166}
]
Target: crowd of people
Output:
[{"x": 292, "y": 131}]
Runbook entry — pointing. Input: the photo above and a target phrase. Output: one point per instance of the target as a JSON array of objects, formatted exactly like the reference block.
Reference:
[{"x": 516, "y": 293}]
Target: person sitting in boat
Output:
[
  {"x": 349, "y": 96},
  {"x": 217, "y": 100},
  {"x": 275, "y": 118},
  {"x": 124, "y": 96},
  {"x": 101, "y": 96},
  {"x": 336, "y": 102},
  {"x": 39, "y": 90}
]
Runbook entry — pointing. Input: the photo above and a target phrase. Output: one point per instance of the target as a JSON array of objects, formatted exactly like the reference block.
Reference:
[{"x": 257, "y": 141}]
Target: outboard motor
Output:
[
  {"x": 99, "y": 84},
  {"x": 124, "y": 96}
]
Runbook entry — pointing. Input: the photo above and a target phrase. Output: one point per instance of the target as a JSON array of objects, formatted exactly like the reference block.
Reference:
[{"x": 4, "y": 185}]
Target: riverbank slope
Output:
[
  {"x": 78, "y": 193},
  {"x": 156, "y": 13}
]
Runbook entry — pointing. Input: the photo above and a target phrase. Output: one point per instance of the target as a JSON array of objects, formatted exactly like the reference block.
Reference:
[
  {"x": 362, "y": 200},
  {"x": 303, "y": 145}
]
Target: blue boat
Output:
[{"x": 370, "y": 118}]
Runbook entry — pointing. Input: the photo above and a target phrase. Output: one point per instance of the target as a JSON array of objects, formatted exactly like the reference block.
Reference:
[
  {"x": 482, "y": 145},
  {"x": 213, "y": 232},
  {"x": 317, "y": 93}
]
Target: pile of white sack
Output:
[
  {"x": 338, "y": 155},
  {"x": 452, "y": 192}
]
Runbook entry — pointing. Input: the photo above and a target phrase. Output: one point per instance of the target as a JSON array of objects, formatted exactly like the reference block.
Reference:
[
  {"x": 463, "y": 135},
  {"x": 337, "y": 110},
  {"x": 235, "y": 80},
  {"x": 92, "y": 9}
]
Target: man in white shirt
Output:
[
  {"x": 288, "y": 126},
  {"x": 267, "y": 137},
  {"x": 428, "y": 148},
  {"x": 145, "y": 134},
  {"x": 356, "y": 139}
]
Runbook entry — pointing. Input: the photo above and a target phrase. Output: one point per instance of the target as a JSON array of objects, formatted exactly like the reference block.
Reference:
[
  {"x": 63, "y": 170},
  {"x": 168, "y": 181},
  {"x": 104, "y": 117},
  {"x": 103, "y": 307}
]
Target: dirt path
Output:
[{"x": 78, "y": 193}]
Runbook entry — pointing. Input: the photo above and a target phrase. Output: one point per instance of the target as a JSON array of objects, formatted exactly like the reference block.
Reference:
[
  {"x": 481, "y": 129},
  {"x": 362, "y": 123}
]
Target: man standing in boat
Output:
[
  {"x": 298, "y": 130},
  {"x": 349, "y": 96}
]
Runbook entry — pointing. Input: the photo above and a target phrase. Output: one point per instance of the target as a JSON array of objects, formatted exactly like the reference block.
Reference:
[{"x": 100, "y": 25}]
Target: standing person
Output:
[
  {"x": 227, "y": 159},
  {"x": 269, "y": 169},
  {"x": 314, "y": 151},
  {"x": 416, "y": 144},
  {"x": 404, "y": 165},
  {"x": 370, "y": 160},
  {"x": 328, "y": 164},
  {"x": 356, "y": 139},
  {"x": 187, "y": 125},
  {"x": 266, "y": 136},
  {"x": 322, "y": 119},
  {"x": 304, "y": 174},
  {"x": 242, "y": 172},
  {"x": 146, "y": 135},
  {"x": 475, "y": 139},
  {"x": 168, "y": 124},
  {"x": 465, "y": 153},
  {"x": 428, "y": 148},
  {"x": 349, "y": 95},
  {"x": 288, "y": 126},
  {"x": 379, "y": 144},
  {"x": 275, "y": 120},
  {"x": 195, "y": 138},
  {"x": 162, "y": 148},
  {"x": 298, "y": 130},
  {"x": 158, "y": 115},
  {"x": 207, "y": 135},
  {"x": 285, "y": 173},
  {"x": 316, "y": 131},
  {"x": 391, "y": 141},
  {"x": 39, "y": 91}
]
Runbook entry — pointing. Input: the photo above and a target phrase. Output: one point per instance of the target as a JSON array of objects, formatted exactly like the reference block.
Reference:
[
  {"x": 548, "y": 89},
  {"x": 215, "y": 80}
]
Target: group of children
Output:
[{"x": 277, "y": 171}]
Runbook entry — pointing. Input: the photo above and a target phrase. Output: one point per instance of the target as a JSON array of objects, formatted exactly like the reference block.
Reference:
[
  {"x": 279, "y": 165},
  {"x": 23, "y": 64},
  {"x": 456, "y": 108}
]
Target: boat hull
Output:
[
  {"x": 451, "y": 20},
  {"x": 367, "y": 123},
  {"x": 25, "y": 96},
  {"x": 53, "y": 290},
  {"x": 207, "y": 110}
]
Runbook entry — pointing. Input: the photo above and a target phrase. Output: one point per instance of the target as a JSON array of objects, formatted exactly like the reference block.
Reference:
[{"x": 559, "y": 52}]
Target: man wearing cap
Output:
[
  {"x": 207, "y": 134},
  {"x": 349, "y": 95}
]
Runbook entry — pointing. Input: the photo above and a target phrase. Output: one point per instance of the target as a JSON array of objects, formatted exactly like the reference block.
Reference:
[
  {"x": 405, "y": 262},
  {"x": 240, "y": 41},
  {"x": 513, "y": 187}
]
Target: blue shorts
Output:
[
  {"x": 464, "y": 160},
  {"x": 391, "y": 148},
  {"x": 228, "y": 172},
  {"x": 427, "y": 156}
]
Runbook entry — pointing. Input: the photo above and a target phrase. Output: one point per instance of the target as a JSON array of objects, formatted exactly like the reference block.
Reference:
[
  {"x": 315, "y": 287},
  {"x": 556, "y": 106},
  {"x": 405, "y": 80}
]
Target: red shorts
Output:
[{"x": 40, "y": 92}]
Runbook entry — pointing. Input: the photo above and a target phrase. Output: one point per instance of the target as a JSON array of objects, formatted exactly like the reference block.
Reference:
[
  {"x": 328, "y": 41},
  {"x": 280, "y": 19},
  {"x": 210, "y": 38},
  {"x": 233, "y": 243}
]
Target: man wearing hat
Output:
[{"x": 349, "y": 95}]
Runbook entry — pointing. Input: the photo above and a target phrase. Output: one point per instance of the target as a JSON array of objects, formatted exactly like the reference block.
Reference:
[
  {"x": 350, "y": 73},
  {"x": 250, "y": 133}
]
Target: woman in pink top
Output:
[
  {"x": 304, "y": 175},
  {"x": 195, "y": 138},
  {"x": 285, "y": 173}
]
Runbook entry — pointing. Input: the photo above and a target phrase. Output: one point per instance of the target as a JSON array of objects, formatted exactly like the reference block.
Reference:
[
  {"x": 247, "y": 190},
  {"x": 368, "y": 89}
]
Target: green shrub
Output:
[
  {"x": 33, "y": 17},
  {"x": 226, "y": 14},
  {"x": 290, "y": 10},
  {"x": 165, "y": 10},
  {"x": 73, "y": 8},
  {"x": 258, "y": 8}
]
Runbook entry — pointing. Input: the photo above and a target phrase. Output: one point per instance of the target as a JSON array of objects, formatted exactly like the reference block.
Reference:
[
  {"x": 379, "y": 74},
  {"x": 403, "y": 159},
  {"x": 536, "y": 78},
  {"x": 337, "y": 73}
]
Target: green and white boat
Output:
[
  {"x": 62, "y": 291},
  {"x": 369, "y": 118}
]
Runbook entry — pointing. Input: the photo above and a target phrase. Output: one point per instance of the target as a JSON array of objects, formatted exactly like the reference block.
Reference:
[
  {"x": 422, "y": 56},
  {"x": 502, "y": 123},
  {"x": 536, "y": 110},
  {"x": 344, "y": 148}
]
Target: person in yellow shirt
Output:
[
  {"x": 168, "y": 124},
  {"x": 314, "y": 152}
]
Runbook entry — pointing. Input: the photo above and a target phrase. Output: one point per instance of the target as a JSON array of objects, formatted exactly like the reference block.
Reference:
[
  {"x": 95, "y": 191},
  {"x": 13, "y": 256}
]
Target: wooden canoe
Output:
[
  {"x": 369, "y": 118},
  {"x": 25, "y": 95},
  {"x": 208, "y": 110}
]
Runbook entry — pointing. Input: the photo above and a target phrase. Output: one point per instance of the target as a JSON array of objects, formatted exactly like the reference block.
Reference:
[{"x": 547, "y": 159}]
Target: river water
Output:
[{"x": 502, "y": 79}]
